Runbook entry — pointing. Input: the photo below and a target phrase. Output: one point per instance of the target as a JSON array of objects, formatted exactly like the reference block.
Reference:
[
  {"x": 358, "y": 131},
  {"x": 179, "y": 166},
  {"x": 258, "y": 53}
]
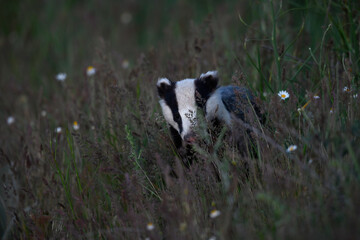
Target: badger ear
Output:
[
  {"x": 208, "y": 80},
  {"x": 163, "y": 86}
]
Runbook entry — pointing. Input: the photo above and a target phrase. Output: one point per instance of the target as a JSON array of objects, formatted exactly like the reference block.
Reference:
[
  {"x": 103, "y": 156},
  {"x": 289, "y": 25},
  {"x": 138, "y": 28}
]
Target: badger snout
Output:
[{"x": 189, "y": 138}]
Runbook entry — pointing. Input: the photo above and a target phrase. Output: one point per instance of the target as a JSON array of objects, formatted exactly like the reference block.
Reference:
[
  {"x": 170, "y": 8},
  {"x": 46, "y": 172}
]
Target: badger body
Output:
[
  {"x": 227, "y": 101},
  {"x": 181, "y": 100}
]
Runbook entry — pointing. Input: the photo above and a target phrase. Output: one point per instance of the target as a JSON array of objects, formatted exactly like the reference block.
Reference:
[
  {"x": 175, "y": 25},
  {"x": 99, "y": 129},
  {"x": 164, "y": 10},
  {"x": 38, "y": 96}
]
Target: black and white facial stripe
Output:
[
  {"x": 169, "y": 104},
  {"x": 179, "y": 100}
]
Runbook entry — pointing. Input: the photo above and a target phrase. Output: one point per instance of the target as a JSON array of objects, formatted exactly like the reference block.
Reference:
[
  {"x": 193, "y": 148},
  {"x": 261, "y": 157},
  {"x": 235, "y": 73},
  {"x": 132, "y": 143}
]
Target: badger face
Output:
[
  {"x": 179, "y": 100},
  {"x": 178, "y": 104}
]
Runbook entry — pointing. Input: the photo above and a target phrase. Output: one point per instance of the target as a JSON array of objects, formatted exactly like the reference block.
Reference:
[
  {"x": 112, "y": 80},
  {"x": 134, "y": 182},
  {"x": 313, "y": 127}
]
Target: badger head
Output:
[{"x": 179, "y": 101}]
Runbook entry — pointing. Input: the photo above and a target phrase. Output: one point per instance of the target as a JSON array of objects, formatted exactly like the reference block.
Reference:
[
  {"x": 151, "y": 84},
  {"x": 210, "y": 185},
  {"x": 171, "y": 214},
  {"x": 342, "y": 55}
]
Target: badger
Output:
[{"x": 181, "y": 100}]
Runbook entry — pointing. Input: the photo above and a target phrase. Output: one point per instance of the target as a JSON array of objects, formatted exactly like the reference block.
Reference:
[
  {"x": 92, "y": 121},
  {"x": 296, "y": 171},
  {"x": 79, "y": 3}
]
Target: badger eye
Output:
[{"x": 177, "y": 117}]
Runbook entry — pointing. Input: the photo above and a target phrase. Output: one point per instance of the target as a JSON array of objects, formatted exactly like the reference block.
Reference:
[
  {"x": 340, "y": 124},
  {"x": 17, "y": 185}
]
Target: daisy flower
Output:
[
  {"x": 61, "y": 77},
  {"x": 58, "y": 130},
  {"x": 215, "y": 213},
  {"x": 76, "y": 126},
  {"x": 125, "y": 64},
  {"x": 316, "y": 96},
  {"x": 150, "y": 226},
  {"x": 331, "y": 110},
  {"x": 291, "y": 148},
  {"x": 346, "y": 89},
  {"x": 10, "y": 120},
  {"x": 43, "y": 113},
  {"x": 355, "y": 95},
  {"x": 283, "y": 95},
  {"x": 90, "y": 71}
]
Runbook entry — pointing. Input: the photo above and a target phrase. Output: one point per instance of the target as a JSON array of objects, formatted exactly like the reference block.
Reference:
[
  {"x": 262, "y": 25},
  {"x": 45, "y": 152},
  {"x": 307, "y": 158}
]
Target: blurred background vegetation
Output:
[
  {"x": 97, "y": 181},
  {"x": 41, "y": 38}
]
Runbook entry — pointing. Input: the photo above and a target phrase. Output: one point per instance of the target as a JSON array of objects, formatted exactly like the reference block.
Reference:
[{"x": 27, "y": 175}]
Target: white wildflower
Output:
[
  {"x": 10, "y": 120},
  {"x": 150, "y": 226},
  {"x": 61, "y": 77},
  {"x": 125, "y": 64},
  {"x": 283, "y": 95},
  {"x": 347, "y": 89},
  {"x": 215, "y": 213},
  {"x": 291, "y": 148},
  {"x": 90, "y": 71},
  {"x": 58, "y": 130},
  {"x": 76, "y": 126}
]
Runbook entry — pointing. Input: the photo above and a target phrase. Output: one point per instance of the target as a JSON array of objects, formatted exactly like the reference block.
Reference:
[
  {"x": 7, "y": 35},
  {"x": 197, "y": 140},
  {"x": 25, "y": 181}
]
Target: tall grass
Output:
[{"x": 120, "y": 173}]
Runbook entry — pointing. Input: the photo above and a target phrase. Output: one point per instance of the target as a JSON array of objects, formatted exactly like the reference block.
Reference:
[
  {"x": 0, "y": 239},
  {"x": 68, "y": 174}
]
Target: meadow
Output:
[{"x": 88, "y": 154}]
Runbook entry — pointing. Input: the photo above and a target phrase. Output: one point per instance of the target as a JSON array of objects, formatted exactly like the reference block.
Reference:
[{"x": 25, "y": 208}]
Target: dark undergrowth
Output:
[{"x": 119, "y": 175}]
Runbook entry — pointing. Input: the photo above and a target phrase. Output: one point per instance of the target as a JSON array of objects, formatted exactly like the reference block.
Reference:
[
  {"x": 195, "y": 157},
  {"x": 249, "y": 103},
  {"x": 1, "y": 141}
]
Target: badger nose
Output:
[{"x": 189, "y": 138}]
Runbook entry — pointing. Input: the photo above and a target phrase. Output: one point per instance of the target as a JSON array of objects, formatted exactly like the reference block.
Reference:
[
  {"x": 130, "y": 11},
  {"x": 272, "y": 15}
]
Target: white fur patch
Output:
[
  {"x": 185, "y": 96},
  {"x": 163, "y": 80},
  {"x": 215, "y": 108},
  {"x": 209, "y": 73}
]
